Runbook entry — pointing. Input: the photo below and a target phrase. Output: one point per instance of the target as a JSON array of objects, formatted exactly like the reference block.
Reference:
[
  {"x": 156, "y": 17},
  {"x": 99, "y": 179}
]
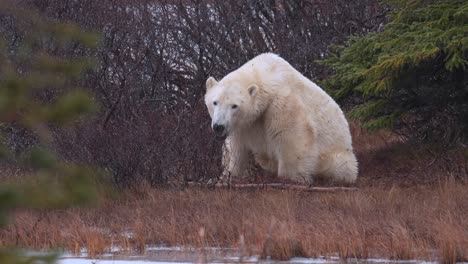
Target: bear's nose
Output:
[{"x": 218, "y": 129}]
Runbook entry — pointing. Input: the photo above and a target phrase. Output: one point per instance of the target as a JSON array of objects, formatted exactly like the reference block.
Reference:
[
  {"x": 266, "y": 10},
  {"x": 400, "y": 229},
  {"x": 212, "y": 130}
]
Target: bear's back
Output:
[{"x": 282, "y": 78}]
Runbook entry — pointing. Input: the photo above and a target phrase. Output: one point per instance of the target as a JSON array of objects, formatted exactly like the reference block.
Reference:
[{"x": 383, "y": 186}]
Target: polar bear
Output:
[{"x": 292, "y": 127}]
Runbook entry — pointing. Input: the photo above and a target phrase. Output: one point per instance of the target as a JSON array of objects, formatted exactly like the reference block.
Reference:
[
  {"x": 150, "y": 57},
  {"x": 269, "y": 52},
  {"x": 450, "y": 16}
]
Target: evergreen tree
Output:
[
  {"x": 412, "y": 75},
  {"x": 28, "y": 66}
]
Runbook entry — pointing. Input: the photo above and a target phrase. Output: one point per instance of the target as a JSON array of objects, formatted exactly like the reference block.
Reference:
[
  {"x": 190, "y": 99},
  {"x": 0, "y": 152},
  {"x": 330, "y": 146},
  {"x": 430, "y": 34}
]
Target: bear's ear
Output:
[
  {"x": 210, "y": 83},
  {"x": 253, "y": 89}
]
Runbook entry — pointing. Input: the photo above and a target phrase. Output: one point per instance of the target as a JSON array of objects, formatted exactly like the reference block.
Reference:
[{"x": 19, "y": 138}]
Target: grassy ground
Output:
[
  {"x": 411, "y": 203},
  {"x": 398, "y": 223}
]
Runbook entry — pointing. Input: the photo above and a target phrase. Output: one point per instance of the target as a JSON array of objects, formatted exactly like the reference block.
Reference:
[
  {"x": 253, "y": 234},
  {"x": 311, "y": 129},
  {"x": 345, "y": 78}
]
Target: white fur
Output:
[{"x": 291, "y": 125}]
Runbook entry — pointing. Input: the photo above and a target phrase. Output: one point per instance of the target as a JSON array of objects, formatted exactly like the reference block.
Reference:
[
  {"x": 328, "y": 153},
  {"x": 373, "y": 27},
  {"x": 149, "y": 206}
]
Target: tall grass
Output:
[{"x": 396, "y": 223}]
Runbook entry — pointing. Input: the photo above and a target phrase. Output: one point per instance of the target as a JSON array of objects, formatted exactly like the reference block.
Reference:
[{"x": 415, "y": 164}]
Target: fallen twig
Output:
[{"x": 280, "y": 186}]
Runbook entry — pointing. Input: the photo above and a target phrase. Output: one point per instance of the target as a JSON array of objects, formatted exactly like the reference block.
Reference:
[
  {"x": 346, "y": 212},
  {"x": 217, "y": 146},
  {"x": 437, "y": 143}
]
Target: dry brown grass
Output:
[
  {"x": 397, "y": 223},
  {"x": 412, "y": 203},
  {"x": 386, "y": 159}
]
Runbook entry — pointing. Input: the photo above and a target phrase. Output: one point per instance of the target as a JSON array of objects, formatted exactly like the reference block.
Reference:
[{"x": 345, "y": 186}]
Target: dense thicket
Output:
[
  {"x": 413, "y": 75},
  {"x": 153, "y": 63}
]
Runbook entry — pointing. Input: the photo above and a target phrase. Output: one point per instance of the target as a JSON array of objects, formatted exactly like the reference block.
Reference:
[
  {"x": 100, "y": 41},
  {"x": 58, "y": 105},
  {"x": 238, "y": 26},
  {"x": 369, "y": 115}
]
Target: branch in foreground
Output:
[{"x": 279, "y": 186}]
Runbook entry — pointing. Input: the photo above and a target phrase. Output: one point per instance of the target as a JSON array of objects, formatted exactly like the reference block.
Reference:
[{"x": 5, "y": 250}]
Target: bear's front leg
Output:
[{"x": 235, "y": 160}]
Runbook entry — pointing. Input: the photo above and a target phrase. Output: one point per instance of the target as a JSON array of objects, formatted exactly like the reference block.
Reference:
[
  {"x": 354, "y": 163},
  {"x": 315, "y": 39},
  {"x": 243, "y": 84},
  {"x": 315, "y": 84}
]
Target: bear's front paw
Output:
[{"x": 223, "y": 181}]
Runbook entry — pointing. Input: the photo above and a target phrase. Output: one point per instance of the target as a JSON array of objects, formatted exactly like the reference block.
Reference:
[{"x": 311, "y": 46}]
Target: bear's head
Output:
[{"x": 231, "y": 104}]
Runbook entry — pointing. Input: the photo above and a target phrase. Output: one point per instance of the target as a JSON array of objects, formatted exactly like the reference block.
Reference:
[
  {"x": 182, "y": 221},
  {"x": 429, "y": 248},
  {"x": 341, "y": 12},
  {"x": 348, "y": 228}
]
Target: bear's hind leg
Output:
[
  {"x": 266, "y": 163},
  {"x": 339, "y": 167},
  {"x": 299, "y": 173}
]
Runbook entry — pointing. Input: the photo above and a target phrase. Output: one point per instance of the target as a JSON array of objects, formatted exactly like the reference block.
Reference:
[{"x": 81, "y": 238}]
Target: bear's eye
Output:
[
  {"x": 215, "y": 103},
  {"x": 234, "y": 106}
]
